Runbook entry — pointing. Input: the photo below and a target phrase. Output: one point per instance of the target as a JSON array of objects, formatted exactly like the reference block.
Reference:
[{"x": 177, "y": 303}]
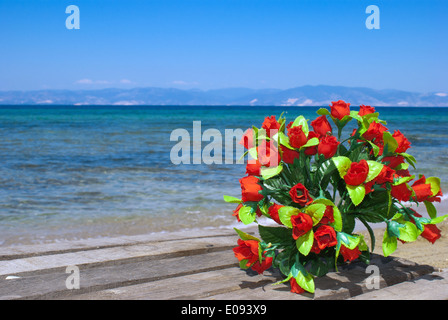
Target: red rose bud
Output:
[
  {"x": 422, "y": 190},
  {"x": 301, "y": 224},
  {"x": 375, "y": 131},
  {"x": 321, "y": 126},
  {"x": 289, "y": 155},
  {"x": 401, "y": 192},
  {"x": 271, "y": 126},
  {"x": 295, "y": 288},
  {"x": 324, "y": 237},
  {"x": 348, "y": 254},
  {"x": 273, "y": 212},
  {"x": 299, "y": 194},
  {"x": 403, "y": 142},
  {"x": 363, "y": 110},
  {"x": 430, "y": 231},
  {"x": 253, "y": 167},
  {"x": 250, "y": 189},
  {"x": 386, "y": 175},
  {"x": 297, "y": 137},
  {"x": 328, "y": 146},
  {"x": 236, "y": 212},
  {"x": 311, "y": 151},
  {"x": 357, "y": 173},
  {"x": 247, "y": 250},
  {"x": 339, "y": 109},
  {"x": 247, "y": 140},
  {"x": 263, "y": 266},
  {"x": 268, "y": 154}
]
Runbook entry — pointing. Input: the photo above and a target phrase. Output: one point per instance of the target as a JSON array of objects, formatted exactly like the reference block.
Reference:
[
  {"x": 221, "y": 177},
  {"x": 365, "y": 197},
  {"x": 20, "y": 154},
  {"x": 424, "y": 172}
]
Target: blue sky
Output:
[{"x": 210, "y": 44}]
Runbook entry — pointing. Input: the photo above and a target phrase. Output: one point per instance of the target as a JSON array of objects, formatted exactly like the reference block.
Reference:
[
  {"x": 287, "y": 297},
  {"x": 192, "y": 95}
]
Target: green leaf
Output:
[
  {"x": 374, "y": 170},
  {"x": 342, "y": 164},
  {"x": 269, "y": 172},
  {"x": 393, "y": 228},
  {"x": 306, "y": 282},
  {"x": 276, "y": 235},
  {"x": 243, "y": 264},
  {"x": 389, "y": 244},
  {"x": 376, "y": 149},
  {"x": 409, "y": 158},
  {"x": 253, "y": 153},
  {"x": 356, "y": 193},
  {"x": 301, "y": 121},
  {"x": 284, "y": 140},
  {"x": 348, "y": 240},
  {"x": 389, "y": 142},
  {"x": 438, "y": 219},
  {"x": 323, "y": 111},
  {"x": 305, "y": 242},
  {"x": 247, "y": 214},
  {"x": 337, "y": 224},
  {"x": 285, "y": 213},
  {"x": 435, "y": 184},
  {"x": 432, "y": 211},
  {"x": 312, "y": 142},
  {"x": 245, "y": 236},
  {"x": 316, "y": 212},
  {"x": 409, "y": 232},
  {"x": 231, "y": 199}
]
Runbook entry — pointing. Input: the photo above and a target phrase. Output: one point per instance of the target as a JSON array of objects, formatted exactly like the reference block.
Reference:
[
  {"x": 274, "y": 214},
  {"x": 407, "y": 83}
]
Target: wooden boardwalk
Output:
[{"x": 189, "y": 265}]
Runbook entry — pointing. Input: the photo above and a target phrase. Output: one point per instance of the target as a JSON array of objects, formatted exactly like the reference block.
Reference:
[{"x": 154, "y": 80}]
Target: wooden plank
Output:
[
  {"x": 23, "y": 251},
  {"x": 52, "y": 283},
  {"x": 154, "y": 249},
  {"x": 432, "y": 286}
]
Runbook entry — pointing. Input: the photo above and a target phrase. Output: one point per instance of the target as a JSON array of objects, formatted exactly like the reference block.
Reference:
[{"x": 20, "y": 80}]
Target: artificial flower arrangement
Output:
[{"x": 315, "y": 186}]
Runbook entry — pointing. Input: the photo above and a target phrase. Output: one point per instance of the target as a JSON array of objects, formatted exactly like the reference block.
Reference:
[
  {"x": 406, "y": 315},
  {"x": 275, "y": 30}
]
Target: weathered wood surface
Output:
[{"x": 189, "y": 265}]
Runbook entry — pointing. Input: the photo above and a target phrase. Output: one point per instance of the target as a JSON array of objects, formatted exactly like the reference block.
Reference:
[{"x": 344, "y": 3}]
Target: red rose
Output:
[
  {"x": 301, "y": 224},
  {"x": 248, "y": 250},
  {"x": 299, "y": 194},
  {"x": 403, "y": 142},
  {"x": 264, "y": 265},
  {"x": 273, "y": 212},
  {"x": 268, "y": 154},
  {"x": 422, "y": 190},
  {"x": 386, "y": 175},
  {"x": 271, "y": 126},
  {"x": 324, "y": 237},
  {"x": 328, "y": 146},
  {"x": 357, "y": 173},
  {"x": 363, "y": 110},
  {"x": 311, "y": 151},
  {"x": 253, "y": 169},
  {"x": 430, "y": 231},
  {"x": 295, "y": 288},
  {"x": 339, "y": 109},
  {"x": 250, "y": 189},
  {"x": 401, "y": 192},
  {"x": 349, "y": 254},
  {"x": 289, "y": 155},
  {"x": 393, "y": 161},
  {"x": 321, "y": 126},
  {"x": 297, "y": 137},
  {"x": 375, "y": 131},
  {"x": 247, "y": 140}
]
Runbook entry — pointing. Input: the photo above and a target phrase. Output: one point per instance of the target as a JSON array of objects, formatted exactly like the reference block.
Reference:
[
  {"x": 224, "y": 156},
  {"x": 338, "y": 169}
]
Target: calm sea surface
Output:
[{"x": 75, "y": 172}]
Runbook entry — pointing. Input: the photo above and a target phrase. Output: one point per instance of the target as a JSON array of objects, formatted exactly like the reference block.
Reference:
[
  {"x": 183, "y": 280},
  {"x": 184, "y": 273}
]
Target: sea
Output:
[{"x": 76, "y": 172}]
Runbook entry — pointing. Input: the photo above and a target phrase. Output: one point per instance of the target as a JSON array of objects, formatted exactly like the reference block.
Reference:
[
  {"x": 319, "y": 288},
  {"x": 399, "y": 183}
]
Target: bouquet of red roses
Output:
[{"x": 315, "y": 186}]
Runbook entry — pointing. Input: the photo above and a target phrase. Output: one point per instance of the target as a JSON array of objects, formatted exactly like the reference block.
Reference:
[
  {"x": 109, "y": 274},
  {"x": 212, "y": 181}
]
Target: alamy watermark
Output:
[{"x": 73, "y": 280}]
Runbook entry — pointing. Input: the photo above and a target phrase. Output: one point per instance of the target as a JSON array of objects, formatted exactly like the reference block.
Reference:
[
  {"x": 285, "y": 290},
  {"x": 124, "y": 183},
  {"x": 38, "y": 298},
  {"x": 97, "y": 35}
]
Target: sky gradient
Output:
[{"x": 209, "y": 44}]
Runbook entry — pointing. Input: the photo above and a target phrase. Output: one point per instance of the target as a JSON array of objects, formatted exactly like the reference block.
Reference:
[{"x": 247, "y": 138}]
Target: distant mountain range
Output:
[{"x": 320, "y": 95}]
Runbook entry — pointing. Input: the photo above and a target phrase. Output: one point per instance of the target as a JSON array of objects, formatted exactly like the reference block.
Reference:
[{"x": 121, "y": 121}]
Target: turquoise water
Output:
[{"x": 76, "y": 172}]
